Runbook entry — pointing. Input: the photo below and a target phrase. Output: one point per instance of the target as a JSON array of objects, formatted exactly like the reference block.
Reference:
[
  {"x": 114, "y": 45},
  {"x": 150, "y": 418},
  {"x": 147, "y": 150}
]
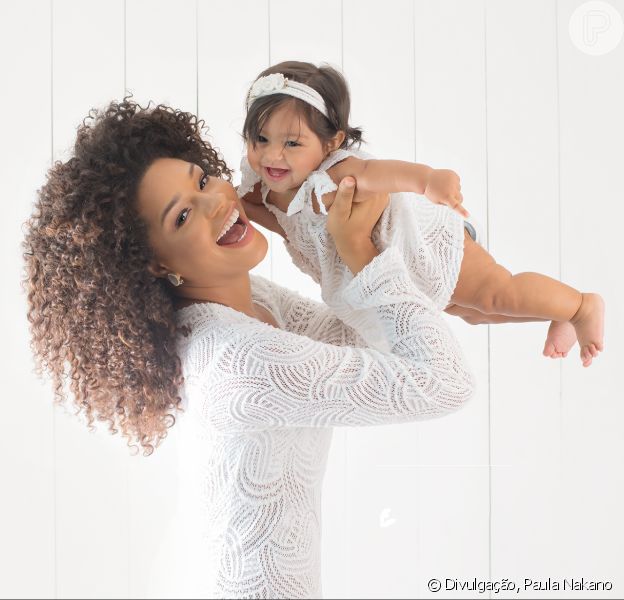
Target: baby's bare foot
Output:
[
  {"x": 561, "y": 337},
  {"x": 589, "y": 325}
]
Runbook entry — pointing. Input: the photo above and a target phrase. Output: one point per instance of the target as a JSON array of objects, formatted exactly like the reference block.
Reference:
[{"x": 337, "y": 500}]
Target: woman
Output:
[{"x": 138, "y": 257}]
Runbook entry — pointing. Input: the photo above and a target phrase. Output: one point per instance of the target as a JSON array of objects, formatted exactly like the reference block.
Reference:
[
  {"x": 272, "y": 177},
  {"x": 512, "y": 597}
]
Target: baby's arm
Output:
[
  {"x": 440, "y": 186},
  {"x": 388, "y": 176}
]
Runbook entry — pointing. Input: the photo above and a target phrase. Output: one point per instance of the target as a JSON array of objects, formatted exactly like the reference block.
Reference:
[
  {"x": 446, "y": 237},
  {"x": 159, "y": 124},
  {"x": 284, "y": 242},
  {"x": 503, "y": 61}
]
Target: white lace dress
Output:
[
  {"x": 429, "y": 236},
  {"x": 260, "y": 404}
]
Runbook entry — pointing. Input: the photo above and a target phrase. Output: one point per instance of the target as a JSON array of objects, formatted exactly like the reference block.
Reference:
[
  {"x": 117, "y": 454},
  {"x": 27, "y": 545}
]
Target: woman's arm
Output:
[
  {"x": 281, "y": 379},
  {"x": 268, "y": 378}
]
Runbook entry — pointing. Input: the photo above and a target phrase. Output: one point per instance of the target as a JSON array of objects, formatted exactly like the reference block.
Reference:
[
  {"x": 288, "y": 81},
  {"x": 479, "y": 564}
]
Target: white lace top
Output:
[
  {"x": 429, "y": 236},
  {"x": 260, "y": 403}
]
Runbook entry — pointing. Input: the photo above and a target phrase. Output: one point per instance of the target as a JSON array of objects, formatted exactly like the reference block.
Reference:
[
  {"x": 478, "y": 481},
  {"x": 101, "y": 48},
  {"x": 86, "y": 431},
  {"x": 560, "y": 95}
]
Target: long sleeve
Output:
[
  {"x": 268, "y": 378},
  {"x": 315, "y": 320},
  {"x": 307, "y": 262}
]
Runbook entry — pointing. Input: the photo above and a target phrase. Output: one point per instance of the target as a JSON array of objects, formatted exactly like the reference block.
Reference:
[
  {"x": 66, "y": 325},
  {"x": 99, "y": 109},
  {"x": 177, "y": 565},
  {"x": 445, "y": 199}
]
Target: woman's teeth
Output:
[{"x": 233, "y": 218}]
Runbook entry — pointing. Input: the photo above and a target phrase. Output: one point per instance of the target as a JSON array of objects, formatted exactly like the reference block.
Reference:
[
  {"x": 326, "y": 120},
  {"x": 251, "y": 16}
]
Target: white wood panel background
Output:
[{"x": 527, "y": 481}]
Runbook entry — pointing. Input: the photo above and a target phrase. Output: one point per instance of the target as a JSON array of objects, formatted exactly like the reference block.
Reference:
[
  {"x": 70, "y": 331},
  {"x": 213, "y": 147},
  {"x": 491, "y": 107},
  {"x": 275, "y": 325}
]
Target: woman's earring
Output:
[{"x": 175, "y": 279}]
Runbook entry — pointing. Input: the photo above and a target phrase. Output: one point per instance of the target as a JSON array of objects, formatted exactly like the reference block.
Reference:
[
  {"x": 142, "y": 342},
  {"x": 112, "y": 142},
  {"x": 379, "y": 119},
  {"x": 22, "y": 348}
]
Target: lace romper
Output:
[{"x": 429, "y": 236}]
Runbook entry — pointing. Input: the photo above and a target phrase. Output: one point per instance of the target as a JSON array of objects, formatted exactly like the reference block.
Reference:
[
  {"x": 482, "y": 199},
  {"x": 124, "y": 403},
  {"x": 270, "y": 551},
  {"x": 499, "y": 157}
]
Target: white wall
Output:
[{"x": 527, "y": 481}]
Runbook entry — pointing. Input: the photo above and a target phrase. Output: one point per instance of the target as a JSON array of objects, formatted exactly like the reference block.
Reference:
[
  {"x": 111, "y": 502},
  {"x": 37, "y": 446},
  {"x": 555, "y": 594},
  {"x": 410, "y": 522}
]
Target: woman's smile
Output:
[
  {"x": 214, "y": 247},
  {"x": 239, "y": 233}
]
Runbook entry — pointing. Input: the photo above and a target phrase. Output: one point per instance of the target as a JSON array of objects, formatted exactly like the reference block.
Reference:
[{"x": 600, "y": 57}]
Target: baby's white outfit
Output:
[
  {"x": 260, "y": 403},
  {"x": 429, "y": 236}
]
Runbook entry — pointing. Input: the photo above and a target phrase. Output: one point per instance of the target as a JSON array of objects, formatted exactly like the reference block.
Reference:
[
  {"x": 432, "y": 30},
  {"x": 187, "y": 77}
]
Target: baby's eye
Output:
[
  {"x": 292, "y": 143},
  {"x": 262, "y": 139}
]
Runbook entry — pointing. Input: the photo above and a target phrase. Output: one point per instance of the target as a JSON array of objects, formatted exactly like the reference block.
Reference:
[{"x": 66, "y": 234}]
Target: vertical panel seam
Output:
[
  {"x": 559, "y": 216},
  {"x": 54, "y": 491},
  {"x": 414, "y": 73},
  {"x": 271, "y": 234},
  {"x": 128, "y": 495},
  {"x": 342, "y": 35},
  {"x": 489, "y": 330},
  {"x": 417, "y": 430},
  {"x": 196, "y": 57},
  {"x": 125, "y": 12},
  {"x": 345, "y": 578}
]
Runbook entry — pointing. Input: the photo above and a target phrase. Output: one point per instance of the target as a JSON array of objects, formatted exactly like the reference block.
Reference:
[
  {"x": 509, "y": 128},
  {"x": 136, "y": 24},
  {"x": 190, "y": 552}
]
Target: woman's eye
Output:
[
  {"x": 202, "y": 184},
  {"x": 179, "y": 221},
  {"x": 292, "y": 144},
  {"x": 205, "y": 180}
]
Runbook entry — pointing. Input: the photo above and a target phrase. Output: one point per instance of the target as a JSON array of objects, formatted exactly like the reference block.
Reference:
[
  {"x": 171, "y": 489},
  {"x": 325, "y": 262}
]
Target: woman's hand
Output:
[
  {"x": 443, "y": 187},
  {"x": 351, "y": 224},
  {"x": 259, "y": 213}
]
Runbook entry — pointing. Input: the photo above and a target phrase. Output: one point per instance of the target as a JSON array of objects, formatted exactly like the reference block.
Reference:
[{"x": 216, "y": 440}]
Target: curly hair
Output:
[{"x": 94, "y": 310}]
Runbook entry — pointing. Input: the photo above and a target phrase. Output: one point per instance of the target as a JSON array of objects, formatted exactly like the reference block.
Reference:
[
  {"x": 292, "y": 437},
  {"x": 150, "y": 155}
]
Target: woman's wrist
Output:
[{"x": 356, "y": 254}]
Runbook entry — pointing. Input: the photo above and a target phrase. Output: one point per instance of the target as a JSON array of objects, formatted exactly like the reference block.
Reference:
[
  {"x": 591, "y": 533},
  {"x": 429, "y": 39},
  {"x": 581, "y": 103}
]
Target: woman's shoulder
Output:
[
  {"x": 224, "y": 325},
  {"x": 216, "y": 335}
]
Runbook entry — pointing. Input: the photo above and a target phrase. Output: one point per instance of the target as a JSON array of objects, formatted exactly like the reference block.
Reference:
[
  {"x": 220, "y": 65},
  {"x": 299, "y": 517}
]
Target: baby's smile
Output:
[{"x": 275, "y": 174}]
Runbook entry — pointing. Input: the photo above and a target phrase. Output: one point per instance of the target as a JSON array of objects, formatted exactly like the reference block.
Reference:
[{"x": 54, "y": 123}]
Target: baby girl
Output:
[{"x": 300, "y": 144}]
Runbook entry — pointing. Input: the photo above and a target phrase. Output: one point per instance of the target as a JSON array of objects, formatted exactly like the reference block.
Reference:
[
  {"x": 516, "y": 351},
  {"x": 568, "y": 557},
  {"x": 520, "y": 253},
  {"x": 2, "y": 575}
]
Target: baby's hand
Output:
[
  {"x": 255, "y": 196},
  {"x": 259, "y": 213},
  {"x": 443, "y": 187}
]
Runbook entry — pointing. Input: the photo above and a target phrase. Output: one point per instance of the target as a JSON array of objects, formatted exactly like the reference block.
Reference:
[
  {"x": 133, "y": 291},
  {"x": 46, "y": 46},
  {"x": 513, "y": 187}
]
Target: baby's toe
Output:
[{"x": 549, "y": 349}]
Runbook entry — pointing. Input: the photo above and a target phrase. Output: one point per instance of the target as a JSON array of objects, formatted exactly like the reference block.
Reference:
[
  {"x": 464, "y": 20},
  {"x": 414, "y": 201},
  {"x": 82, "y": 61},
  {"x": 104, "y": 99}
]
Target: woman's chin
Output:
[
  {"x": 263, "y": 244},
  {"x": 260, "y": 248}
]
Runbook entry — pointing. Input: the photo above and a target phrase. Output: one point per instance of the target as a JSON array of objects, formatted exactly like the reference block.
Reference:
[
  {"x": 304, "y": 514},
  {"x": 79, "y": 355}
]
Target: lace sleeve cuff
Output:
[{"x": 384, "y": 280}]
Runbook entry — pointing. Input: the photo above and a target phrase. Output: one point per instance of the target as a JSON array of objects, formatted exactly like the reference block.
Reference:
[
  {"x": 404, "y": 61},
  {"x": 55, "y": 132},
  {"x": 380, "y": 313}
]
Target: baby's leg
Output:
[
  {"x": 560, "y": 338},
  {"x": 489, "y": 288},
  {"x": 476, "y": 317}
]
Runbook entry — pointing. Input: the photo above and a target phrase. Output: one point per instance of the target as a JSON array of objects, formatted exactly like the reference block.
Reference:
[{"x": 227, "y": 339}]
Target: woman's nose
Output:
[{"x": 215, "y": 203}]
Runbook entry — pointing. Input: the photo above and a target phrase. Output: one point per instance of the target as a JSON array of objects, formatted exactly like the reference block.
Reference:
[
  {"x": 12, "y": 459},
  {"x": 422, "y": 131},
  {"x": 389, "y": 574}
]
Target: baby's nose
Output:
[{"x": 274, "y": 152}]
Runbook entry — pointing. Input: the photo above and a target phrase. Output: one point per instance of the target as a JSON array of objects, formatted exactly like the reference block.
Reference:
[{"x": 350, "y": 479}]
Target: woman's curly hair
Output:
[{"x": 93, "y": 308}]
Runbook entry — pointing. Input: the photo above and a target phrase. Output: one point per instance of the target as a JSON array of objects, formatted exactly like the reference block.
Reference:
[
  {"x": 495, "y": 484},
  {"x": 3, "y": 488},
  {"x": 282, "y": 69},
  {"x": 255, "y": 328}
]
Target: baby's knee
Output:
[
  {"x": 469, "y": 315},
  {"x": 473, "y": 320}
]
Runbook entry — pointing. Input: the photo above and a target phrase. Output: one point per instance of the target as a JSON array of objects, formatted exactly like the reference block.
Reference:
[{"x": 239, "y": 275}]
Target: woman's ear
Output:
[
  {"x": 335, "y": 142},
  {"x": 157, "y": 270}
]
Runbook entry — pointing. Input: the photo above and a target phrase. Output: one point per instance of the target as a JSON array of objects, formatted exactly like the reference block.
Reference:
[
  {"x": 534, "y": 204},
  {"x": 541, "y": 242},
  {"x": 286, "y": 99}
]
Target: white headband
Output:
[{"x": 276, "y": 83}]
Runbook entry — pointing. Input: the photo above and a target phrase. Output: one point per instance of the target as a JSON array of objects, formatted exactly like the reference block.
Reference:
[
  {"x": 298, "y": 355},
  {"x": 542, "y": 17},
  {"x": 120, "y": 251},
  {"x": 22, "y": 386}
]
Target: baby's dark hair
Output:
[{"x": 332, "y": 87}]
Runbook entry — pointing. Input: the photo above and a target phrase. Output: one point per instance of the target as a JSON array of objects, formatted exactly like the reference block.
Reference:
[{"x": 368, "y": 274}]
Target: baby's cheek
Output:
[
  {"x": 253, "y": 160},
  {"x": 298, "y": 179}
]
